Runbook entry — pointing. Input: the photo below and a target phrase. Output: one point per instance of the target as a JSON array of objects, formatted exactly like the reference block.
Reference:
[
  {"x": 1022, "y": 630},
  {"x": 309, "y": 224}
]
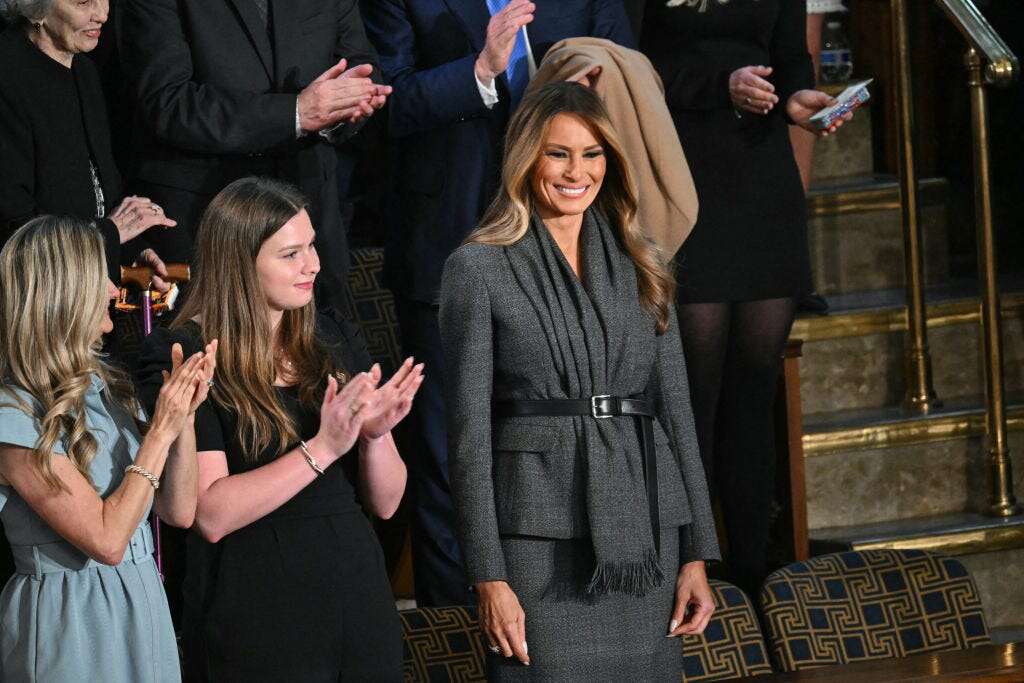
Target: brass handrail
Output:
[
  {"x": 989, "y": 62},
  {"x": 1001, "y": 65},
  {"x": 920, "y": 391}
]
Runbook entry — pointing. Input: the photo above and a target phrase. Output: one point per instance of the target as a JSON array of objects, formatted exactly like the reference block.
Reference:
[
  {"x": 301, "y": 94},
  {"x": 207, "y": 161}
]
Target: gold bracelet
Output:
[
  {"x": 137, "y": 469},
  {"x": 310, "y": 460}
]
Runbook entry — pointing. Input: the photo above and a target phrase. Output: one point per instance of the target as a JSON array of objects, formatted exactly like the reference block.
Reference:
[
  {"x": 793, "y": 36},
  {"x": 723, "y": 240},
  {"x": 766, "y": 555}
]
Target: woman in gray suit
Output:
[{"x": 582, "y": 507}]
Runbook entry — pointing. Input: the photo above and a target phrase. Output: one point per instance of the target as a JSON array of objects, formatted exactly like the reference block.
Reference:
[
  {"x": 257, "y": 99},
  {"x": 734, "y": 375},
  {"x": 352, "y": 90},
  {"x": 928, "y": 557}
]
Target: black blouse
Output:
[
  {"x": 53, "y": 123},
  {"x": 217, "y": 427}
]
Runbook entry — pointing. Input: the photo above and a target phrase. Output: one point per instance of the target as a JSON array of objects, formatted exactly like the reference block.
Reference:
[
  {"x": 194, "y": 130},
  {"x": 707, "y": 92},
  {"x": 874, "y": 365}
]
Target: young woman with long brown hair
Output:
[
  {"x": 585, "y": 537},
  {"x": 285, "y": 577},
  {"x": 77, "y": 478}
]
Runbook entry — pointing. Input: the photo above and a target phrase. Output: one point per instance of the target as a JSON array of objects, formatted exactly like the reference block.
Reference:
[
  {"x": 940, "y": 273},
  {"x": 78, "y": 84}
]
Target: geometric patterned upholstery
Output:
[
  {"x": 442, "y": 644},
  {"x": 731, "y": 646},
  {"x": 872, "y": 604},
  {"x": 373, "y": 307},
  {"x": 445, "y": 644}
]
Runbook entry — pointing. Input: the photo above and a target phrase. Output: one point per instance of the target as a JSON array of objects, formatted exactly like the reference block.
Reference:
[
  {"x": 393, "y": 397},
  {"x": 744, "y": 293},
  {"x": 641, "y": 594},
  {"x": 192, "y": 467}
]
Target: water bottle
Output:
[{"x": 836, "y": 61}]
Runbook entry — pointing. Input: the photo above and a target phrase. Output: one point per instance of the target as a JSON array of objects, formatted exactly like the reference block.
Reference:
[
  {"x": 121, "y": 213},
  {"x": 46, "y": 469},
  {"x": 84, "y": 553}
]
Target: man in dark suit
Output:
[
  {"x": 458, "y": 68},
  {"x": 232, "y": 88}
]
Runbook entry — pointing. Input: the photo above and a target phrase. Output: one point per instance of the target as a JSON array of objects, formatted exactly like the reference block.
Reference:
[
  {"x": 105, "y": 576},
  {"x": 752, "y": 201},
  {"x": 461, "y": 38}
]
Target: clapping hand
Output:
[
  {"x": 174, "y": 402},
  {"x": 340, "y": 95},
  {"x": 342, "y": 414},
  {"x": 392, "y": 401},
  {"x": 501, "y": 38},
  {"x": 207, "y": 367}
]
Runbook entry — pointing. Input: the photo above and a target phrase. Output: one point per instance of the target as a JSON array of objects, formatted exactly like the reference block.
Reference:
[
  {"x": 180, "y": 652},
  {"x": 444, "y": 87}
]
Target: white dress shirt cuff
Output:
[{"x": 488, "y": 93}]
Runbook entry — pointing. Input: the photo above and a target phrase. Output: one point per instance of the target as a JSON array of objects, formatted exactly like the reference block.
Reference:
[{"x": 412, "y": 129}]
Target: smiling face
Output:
[
  {"x": 71, "y": 27},
  {"x": 287, "y": 265},
  {"x": 568, "y": 175}
]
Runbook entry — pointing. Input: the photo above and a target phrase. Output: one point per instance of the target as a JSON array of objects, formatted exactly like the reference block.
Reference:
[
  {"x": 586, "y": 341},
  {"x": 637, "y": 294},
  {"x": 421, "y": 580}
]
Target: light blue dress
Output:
[{"x": 63, "y": 616}]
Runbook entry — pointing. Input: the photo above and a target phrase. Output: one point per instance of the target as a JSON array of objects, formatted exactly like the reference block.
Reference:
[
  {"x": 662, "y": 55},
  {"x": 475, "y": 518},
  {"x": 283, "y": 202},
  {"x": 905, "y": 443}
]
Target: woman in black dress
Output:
[
  {"x": 285, "y": 579},
  {"x": 736, "y": 72},
  {"x": 55, "y": 148}
]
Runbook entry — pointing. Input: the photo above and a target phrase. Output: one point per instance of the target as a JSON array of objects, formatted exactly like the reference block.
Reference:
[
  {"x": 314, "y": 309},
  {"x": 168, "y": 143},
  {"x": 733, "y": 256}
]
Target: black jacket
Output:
[
  {"x": 216, "y": 92},
  {"x": 53, "y": 120}
]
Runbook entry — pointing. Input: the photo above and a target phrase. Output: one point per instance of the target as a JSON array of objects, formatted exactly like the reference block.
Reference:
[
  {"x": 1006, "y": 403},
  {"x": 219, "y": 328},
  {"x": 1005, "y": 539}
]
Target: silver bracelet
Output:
[
  {"x": 310, "y": 460},
  {"x": 153, "y": 479}
]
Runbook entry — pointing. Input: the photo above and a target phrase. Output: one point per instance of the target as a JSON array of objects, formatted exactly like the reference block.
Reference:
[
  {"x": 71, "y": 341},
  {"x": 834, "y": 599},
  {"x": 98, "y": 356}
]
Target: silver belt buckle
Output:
[{"x": 593, "y": 406}]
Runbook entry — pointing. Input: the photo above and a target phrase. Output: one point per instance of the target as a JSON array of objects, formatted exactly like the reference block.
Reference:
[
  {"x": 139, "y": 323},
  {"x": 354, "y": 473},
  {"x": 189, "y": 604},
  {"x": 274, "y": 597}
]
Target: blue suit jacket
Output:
[{"x": 446, "y": 145}]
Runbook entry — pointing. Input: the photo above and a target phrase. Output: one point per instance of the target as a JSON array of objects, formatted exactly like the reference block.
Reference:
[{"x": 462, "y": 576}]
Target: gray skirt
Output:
[{"x": 575, "y": 637}]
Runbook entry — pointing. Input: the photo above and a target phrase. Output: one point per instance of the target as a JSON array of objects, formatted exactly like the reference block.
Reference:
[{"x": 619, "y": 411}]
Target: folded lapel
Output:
[
  {"x": 474, "y": 16},
  {"x": 257, "y": 30}
]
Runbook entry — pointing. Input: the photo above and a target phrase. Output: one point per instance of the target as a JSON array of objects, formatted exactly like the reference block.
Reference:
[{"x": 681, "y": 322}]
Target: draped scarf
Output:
[{"x": 589, "y": 340}]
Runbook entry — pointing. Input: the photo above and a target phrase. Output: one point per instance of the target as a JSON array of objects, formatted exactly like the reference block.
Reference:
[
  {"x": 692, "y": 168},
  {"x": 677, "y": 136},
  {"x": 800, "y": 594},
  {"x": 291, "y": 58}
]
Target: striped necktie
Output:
[{"x": 518, "y": 71}]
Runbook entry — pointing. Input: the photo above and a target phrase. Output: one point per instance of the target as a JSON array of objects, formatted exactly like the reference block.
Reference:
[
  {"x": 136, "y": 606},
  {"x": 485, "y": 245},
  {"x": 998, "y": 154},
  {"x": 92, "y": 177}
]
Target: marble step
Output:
[
  {"x": 937, "y": 466},
  {"x": 992, "y": 549},
  {"x": 855, "y": 236},
  {"x": 853, "y": 357}
]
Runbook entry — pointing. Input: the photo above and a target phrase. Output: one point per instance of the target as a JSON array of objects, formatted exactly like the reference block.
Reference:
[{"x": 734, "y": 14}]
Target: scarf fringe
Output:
[{"x": 632, "y": 578}]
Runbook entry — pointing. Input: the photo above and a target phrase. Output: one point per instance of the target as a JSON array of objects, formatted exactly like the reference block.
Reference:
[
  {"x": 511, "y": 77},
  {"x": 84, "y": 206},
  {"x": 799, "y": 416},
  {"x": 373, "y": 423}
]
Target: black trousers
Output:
[{"x": 437, "y": 559}]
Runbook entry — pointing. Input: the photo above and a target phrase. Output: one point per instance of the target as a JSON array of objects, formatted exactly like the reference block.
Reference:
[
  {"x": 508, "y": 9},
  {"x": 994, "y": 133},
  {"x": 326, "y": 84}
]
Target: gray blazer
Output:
[{"x": 523, "y": 475}]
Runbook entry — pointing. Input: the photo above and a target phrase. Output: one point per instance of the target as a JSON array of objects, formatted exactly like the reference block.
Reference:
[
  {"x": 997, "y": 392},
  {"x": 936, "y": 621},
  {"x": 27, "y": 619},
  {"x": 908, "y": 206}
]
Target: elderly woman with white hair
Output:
[{"x": 55, "y": 147}]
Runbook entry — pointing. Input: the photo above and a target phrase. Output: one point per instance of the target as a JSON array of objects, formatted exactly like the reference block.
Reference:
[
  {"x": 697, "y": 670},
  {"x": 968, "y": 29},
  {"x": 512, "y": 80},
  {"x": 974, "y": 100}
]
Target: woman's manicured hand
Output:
[
  {"x": 749, "y": 91},
  {"x": 694, "y": 602},
  {"x": 135, "y": 215},
  {"x": 206, "y": 371},
  {"x": 173, "y": 404},
  {"x": 341, "y": 416},
  {"x": 502, "y": 620},
  {"x": 803, "y": 104},
  {"x": 391, "y": 402}
]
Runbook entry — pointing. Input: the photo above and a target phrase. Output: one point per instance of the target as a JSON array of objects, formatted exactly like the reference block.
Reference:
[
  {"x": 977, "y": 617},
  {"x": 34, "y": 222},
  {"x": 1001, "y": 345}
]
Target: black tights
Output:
[{"x": 733, "y": 358}]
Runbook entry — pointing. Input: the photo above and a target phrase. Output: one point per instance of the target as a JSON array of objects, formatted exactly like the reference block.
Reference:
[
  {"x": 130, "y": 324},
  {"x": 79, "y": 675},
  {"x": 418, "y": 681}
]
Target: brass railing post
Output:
[
  {"x": 920, "y": 394},
  {"x": 1002, "y": 502}
]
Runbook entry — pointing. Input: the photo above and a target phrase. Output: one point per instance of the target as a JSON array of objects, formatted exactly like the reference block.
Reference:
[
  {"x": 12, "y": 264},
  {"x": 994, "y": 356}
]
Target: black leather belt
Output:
[{"x": 599, "y": 408}]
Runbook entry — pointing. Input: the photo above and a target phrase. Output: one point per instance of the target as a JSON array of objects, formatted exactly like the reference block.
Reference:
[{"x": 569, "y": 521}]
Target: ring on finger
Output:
[
  {"x": 496, "y": 649},
  {"x": 746, "y": 100},
  {"x": 209, "y": 383}
]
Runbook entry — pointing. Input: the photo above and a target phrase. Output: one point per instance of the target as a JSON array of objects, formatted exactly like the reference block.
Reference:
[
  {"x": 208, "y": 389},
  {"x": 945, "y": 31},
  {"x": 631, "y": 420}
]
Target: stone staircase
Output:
[{"x": 878, "y": 476}]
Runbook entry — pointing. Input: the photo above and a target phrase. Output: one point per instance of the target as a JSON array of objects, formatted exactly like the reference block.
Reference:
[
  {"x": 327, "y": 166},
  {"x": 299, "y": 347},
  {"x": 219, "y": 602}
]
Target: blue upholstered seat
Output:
[
  {"x": 872, "y": 604},
  {"x": 442, "y": 644},
  {"x": 732, "y": 645}
]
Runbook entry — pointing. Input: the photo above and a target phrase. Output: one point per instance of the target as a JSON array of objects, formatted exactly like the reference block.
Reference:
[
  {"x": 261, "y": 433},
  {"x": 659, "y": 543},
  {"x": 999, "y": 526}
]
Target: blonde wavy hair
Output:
[
  {"x": 227, "y": 302},
  {"x": 53, "y": 289},
  {"x": 507, "y": 220}
]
